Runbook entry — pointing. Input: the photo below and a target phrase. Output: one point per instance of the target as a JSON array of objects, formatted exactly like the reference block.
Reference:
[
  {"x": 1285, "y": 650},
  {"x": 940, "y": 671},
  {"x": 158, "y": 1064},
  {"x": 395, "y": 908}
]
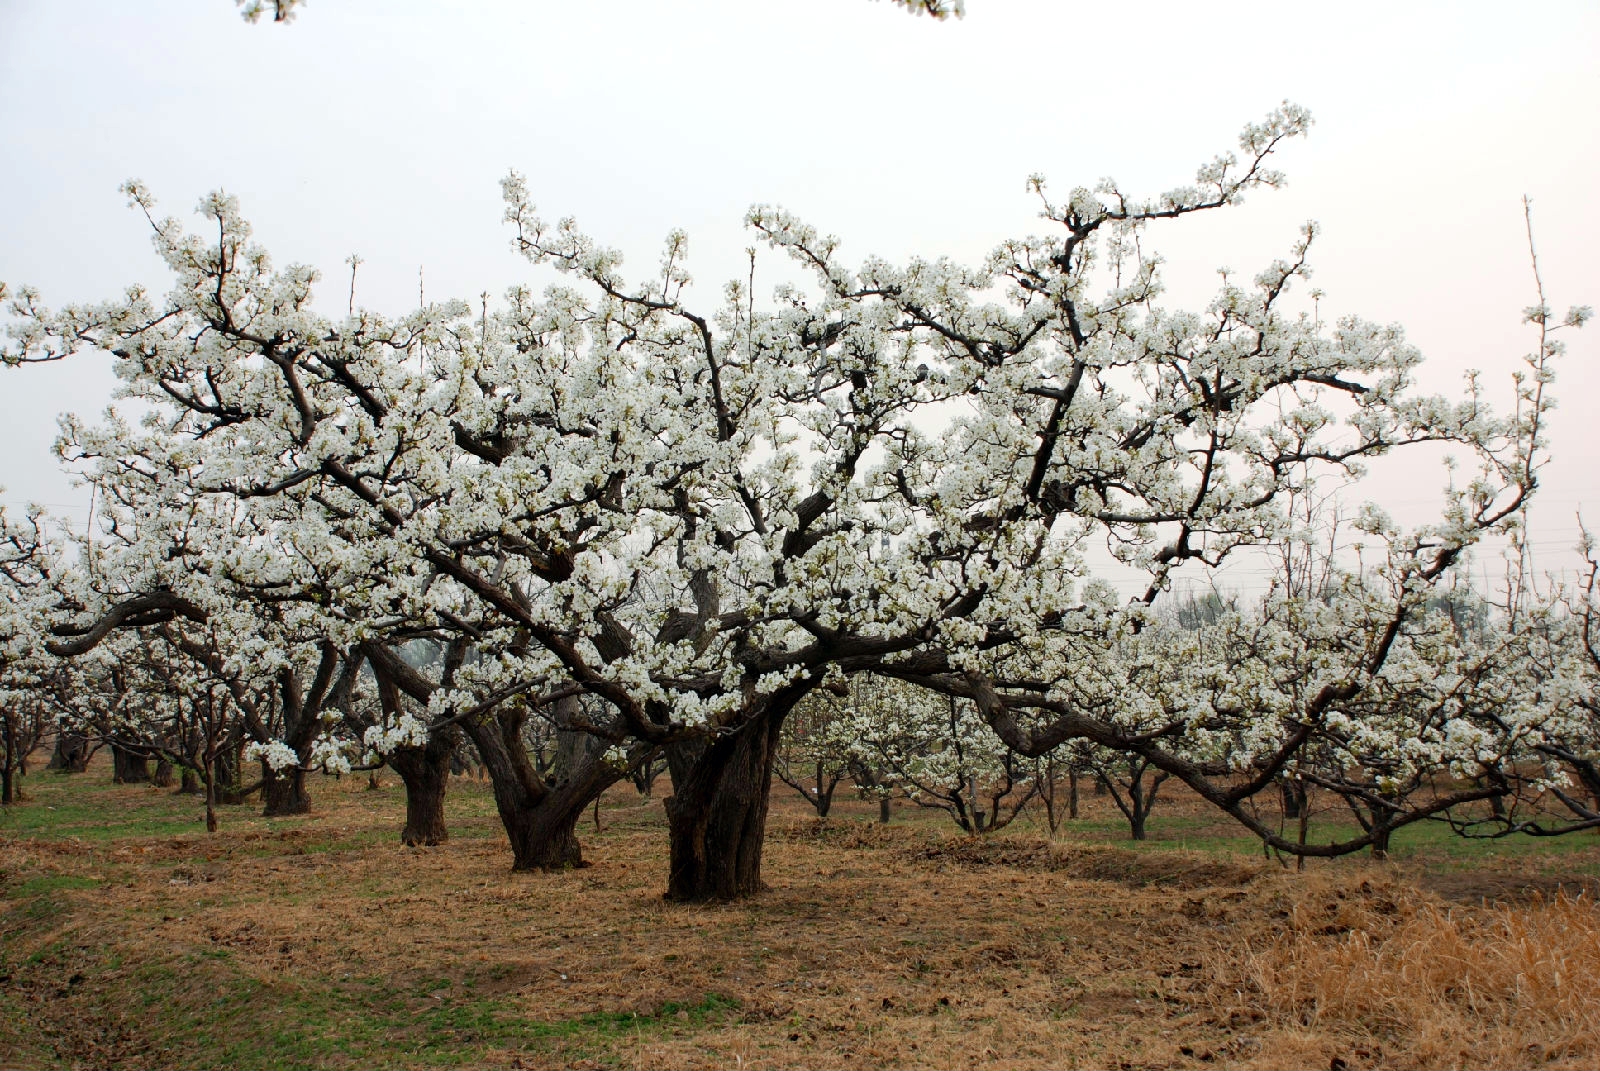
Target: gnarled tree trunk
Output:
[
  {"x": 540, "y": 818},
  {"x": 426, "y": 773},
  {"x": 71, "y": 754},
  {"x": 128, "y": 767},
  {"x": 284, "y": 792},
  {"x": 717, "y": 815}
]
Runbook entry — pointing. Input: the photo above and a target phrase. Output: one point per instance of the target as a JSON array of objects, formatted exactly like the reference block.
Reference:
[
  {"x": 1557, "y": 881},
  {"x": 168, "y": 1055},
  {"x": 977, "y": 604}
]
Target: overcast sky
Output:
[{"x": 382, "y": 128}]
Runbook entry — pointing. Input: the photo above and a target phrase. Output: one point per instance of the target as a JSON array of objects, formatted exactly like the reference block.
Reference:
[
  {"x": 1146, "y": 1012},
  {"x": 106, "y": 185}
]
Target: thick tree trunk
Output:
[
  {"x": 426, "y": 773},
  {"x": 544, "y": 835},
  {"x": 8, "y": 766},
  {"x": 162, "y": 778},
  {"x": 71, "y": 754},
  {"x": 540, "y": 819},
  {"x": 884, "y": 810},
  {"x": 128, "y": 768},
  {"x": 188, "y": 782},
  {"x": 717, "y": 815},
  {"x": 284, "y": 792},
  {"x": 681, "y": 759}
]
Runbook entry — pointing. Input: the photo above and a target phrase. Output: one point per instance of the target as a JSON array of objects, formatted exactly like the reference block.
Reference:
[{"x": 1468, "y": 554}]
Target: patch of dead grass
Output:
[
  {"x": 898, "y": 946},
  {"x": 1406, "y": 980}
]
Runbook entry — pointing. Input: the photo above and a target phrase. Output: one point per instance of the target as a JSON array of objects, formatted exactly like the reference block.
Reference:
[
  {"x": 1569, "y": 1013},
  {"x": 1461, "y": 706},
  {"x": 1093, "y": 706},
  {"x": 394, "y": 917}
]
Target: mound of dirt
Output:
[
  {"x": 1172, "y": 869},
  {"x": 1480, "y": 887},
  {"x": 848, "y": 834}
]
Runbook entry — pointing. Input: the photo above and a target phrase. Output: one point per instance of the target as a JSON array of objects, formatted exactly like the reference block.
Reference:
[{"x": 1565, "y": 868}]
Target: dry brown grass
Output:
[
  {"x": 1411, "y": 981},
  {"x": 320, "y": 941}
]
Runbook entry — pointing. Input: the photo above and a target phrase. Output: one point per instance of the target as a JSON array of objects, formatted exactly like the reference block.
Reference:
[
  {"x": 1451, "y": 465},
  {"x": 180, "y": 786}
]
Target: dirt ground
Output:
[{"x": 138, "y": 941}]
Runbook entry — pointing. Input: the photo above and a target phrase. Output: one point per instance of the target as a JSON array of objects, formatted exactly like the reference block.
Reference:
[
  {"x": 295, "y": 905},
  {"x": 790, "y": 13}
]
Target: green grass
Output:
[
  {"x": 88, "y": 807},
  {"x": 367, "y": 1022}
]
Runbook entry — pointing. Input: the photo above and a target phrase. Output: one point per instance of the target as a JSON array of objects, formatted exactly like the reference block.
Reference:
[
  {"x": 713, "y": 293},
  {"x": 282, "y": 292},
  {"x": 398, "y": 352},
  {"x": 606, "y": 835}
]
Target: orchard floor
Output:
[{"x": 130, "y": 938}]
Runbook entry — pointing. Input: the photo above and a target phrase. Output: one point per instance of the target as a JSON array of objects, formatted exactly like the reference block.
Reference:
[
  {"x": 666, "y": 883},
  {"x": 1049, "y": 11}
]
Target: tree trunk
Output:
[
  {"x": 128, "y": 768},
  {"x": 1136, "y": 822},
  {"x": 162, "y": 778},
  {"x": 1072, "y": 794},
  {"x": 681, "y": 759},
  {"x": 544, "y": 835},
  {"x": 884, "y": 810},
  {"x": 644, "y": 777},
  {"x": 426, "y": 773},
  {"x": 228, "y": 774},
  {"x": 188, "y": 782},
  {"x": 824, "y": 799},
  {"x": 717, "y": 815},
  {"x": 7, "y": 766},
  {"x": 540, "y": 819},
  {"x": 1293, "y": 793},
  {"x": 71, "y": 754},
  {"x": 209, "y": 776},
  {"x": 284, "y": 792}
]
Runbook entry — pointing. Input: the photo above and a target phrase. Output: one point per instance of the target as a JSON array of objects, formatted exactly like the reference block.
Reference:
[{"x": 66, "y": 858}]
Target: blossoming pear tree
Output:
[
  {"x": 28, "y": 561},
  {"x": 605, "y": 489}
]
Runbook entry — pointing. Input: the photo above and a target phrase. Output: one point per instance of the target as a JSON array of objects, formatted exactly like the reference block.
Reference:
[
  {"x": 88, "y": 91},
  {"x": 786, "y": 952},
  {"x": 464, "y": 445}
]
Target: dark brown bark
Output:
[
  {"x": 189, "y": 782},
  {"x": 426, "y": 774},
  {"x": 884, "y": 810},
  {"x": 129, "y": 768},
  {"x": 544, "y": 836},
  {"x": 1136, "y": 797},
  {"x": 228, "y": 771},
  {"x": 1293, "y": 792},
  {"x": 71, "y": 754},
  {"x": 827, "y": 784},
  {"x": 208, "y": 774},
  {"x": 540, "y": 818},
  {"x": 9, "y": 764},
  {"x": 162, "y": 778},
  {"x": 644, "y": 777},
  {"x": 284, "y": 792},
  {"x": 717, "y": 814}
]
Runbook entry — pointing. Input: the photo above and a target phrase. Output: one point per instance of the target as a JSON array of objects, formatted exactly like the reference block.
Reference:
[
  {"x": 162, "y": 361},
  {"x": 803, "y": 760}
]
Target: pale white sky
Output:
[{"x": 382, "y": 127}]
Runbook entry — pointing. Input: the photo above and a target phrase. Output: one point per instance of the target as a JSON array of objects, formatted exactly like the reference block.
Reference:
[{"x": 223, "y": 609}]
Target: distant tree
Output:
[
  {"x": 938, "y": 752},
  {"x": 817, "y": 750},
  {"x": 28, "y": 561}
]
